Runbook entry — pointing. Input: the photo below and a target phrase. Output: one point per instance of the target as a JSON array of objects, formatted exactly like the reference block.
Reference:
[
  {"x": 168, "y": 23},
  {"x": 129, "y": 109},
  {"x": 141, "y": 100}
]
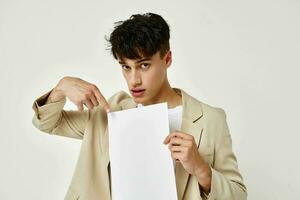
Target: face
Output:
[{"x": 146, "y": 77}]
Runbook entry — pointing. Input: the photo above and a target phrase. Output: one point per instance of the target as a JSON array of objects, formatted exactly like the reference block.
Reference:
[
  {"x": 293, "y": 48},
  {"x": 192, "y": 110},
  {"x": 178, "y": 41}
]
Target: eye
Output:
[
  {"x": 125, "y": 67},
  {"x": 145, "y": 65}
]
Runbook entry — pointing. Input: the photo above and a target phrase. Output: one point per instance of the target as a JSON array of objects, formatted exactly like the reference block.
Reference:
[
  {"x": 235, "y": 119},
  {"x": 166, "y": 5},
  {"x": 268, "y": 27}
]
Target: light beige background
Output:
[{"x": 242, "y": 56}]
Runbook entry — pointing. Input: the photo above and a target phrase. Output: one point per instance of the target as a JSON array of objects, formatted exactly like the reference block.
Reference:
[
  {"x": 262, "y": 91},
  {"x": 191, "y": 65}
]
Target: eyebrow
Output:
[{"x": 138, "y": 61}]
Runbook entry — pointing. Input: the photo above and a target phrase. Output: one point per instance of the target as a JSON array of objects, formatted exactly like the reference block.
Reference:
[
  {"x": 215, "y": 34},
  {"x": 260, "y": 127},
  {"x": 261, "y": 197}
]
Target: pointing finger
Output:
[{"x": 101, "y": 99}]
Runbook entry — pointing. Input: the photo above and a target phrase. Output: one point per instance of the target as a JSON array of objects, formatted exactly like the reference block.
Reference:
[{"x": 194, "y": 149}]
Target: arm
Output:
[
  {"x": 226, "y": 181},
  {"x": 50, "y": 117}
]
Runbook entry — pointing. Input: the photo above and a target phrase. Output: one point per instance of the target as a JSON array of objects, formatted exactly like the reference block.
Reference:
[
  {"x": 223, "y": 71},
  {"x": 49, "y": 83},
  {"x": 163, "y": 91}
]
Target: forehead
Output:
[
  {"x": 134, "y": 61},
  {"x": 125, "y": 60}
]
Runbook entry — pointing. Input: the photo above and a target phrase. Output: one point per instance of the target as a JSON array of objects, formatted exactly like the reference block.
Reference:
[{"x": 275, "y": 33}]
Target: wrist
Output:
[
  {"x": 203, "y": 175},
  {"x": 56, "y": 95}
]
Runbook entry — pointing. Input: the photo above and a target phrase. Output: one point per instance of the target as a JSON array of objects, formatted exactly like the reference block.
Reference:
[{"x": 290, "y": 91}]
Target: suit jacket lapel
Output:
[{"x": 191, "y": 124}]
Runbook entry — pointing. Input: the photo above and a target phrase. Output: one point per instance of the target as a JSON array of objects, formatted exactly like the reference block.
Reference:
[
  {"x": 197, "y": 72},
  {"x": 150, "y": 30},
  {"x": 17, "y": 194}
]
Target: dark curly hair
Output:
[{"x": 142, "y": 35}]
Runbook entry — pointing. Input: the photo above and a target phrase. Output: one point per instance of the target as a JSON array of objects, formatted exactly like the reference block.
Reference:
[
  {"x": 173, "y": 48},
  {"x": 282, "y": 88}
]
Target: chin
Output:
[
  {"x": 138, "y": 100},
  {"x": 141, "y": 100}
]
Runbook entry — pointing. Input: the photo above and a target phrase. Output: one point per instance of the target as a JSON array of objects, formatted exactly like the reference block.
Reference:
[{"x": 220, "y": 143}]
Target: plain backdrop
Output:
[{"x": 242, "y": 56}]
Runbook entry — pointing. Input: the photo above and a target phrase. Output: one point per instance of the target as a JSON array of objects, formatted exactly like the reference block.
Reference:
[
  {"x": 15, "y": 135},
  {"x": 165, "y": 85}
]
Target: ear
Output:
[{"x": 168, "y": 59}]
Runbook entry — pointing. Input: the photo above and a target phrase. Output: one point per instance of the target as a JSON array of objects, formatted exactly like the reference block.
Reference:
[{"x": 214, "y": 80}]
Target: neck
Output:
[{"x": 167, "y": 94}]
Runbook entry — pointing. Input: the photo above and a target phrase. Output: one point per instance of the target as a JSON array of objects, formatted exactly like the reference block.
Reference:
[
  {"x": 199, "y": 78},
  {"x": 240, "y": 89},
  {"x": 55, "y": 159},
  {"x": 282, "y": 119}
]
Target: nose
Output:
[{"x": 135, "y": 78}]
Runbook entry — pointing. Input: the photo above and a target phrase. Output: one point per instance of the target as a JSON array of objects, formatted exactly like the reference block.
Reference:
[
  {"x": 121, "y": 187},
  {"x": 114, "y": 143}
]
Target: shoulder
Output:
[
  {"x": 209, "y": 111},
  {"x": 214, "y": 117},
  {"x": 212, "y": 113},
  {"x": 214, "y": 121},
  {"x": 117, "y": 98}
]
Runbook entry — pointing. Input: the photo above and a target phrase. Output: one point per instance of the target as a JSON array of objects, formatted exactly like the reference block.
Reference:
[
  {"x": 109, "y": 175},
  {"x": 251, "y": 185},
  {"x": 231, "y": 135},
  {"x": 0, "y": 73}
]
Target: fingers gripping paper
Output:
[{"x": 141, "y": 165}]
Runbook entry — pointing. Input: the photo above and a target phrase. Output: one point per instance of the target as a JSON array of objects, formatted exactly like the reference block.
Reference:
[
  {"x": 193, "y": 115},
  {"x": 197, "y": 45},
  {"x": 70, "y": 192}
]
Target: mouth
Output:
[{"x": 137, "y": 92}]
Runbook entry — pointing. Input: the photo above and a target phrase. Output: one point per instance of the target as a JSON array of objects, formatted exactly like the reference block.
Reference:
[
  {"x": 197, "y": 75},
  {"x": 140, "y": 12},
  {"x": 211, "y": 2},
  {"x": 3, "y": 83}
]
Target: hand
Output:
[
  {"x": 184, "y": 150},
  {"x": 80, "y": 92}
]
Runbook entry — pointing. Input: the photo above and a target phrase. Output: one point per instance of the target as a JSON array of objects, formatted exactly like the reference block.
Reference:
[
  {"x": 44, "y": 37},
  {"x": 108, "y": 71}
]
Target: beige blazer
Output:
[{"x": 91, "y": 178}]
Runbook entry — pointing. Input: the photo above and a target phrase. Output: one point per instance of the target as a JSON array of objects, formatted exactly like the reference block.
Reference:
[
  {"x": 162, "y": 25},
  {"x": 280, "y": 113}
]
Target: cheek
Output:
[
  {"x": 159, "y": 77},
  {"x": 154, "y": 80}
]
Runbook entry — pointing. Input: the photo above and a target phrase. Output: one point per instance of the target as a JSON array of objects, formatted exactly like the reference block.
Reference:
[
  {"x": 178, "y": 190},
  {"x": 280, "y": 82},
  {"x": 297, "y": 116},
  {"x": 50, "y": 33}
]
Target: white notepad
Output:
[{"x": 141, "y": 165}]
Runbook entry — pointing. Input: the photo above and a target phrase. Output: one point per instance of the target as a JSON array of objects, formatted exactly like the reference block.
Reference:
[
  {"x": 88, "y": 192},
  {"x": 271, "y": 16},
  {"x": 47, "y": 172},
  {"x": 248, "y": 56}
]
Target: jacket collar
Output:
[{"x": 191, "y": 124}]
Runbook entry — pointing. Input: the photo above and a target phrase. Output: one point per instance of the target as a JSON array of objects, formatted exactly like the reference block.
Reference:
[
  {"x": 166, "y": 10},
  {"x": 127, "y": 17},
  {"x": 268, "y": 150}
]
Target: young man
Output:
[{"x": 199, "y": 142}]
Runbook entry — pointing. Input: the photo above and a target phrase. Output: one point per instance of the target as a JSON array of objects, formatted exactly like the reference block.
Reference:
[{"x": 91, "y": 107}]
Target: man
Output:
[{"x": 205, "y": 167}]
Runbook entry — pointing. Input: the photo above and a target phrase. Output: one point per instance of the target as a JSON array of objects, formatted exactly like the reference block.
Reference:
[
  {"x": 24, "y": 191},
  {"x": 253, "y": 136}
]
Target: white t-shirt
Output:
[{"x": 175, "y": 119}]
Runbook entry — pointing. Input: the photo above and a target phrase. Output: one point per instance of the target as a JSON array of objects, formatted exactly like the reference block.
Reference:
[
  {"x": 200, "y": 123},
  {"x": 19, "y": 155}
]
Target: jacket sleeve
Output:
[
  {"x": 51, "y": 118},
  {"x": 227, "y": 182}
]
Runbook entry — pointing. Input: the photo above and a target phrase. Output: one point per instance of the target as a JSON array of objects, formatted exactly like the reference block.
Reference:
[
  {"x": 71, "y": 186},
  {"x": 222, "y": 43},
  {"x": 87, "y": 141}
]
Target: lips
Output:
[{"x": 137, "y": 92}]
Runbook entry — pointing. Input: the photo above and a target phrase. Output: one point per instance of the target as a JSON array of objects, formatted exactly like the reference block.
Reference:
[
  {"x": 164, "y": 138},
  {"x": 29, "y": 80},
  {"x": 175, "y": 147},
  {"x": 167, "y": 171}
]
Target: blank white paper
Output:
[{"x": 141, "y": 165}]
